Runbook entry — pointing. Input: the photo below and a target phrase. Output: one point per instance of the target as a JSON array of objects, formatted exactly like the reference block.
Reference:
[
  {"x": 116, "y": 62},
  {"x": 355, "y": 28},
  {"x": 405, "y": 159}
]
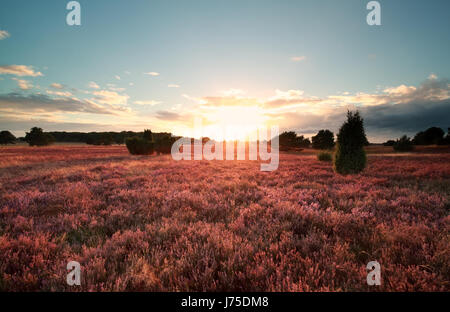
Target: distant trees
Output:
[
  {"x": 288, "y": 140},
  {"x": 433, "y": 135},
  {"x": 350, "y": 155},
  {"x": 163, "y": 144},
  {"x": 404, "y": 144},
  {"x": 147, "y": 143},
  {"x": 37, "y": 137},
  {"x": 324, "y": 139},
  {"x": 7, "y": 137},
  {"x": 139, "y": 146}
]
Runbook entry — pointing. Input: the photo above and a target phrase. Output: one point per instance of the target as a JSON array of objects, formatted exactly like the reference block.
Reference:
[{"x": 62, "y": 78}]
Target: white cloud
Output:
[
  {"x": 19, "y": 70},
  {"x": 110, "y": 97},
  {"x": 117, "y": 77},
  {"x": 93, "y": 85},
  {"x": 59, "y": 93},
  {"x": 23, "y": 84},
  {"x": 151, "y": 103},
  {"x": 173, "y": 86},
  {"x": 152, "y": 74},
  {"x": 298, "y": 58},
  {"x": 57, "y": 86},
  {"x": 4, "y": 34},
  {"x": 432, "y": 77}
]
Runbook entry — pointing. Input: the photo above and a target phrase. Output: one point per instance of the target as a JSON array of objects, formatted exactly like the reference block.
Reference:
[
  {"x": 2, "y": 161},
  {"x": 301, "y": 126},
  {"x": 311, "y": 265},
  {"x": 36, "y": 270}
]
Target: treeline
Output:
[
  {"x": 99, "y": 138},
  {"x": 431, "y": 136}
]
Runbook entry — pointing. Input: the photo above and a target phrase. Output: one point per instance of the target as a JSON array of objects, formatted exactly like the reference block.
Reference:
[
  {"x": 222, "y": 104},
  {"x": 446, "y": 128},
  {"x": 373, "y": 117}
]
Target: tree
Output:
[
  {"x": 433, "y": 135},
  {"x": 323, "y": 140},
  {"x": 163, "y": 144},
  {"x": 7, "y": 137},
  {"x": 289, "y": 139},
  {"x": 37, "y": 137},
  {"x": 350, "y": 155},
  {"x": 404, "y": 144},
  {"x": 389, "y": 143}
]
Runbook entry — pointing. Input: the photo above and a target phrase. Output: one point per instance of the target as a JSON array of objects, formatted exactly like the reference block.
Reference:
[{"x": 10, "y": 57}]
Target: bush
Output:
[
  {"x": 37, "y": 137},
  {"x": 7, "y": 137},
  {"x": 323, "y": 140},
  {"x": 433, "y": 135},
  {"x": 139, "y": 146},
  {"x": 350, "y": 155},
  {"x": 404, "y": 144},
  {"x": 163, "y": 144},
  {"x": 325, "y": 156}
]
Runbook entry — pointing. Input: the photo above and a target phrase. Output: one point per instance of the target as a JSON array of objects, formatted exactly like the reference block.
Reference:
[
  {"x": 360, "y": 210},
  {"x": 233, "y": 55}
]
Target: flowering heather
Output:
[{"x": 148, "y": 223}]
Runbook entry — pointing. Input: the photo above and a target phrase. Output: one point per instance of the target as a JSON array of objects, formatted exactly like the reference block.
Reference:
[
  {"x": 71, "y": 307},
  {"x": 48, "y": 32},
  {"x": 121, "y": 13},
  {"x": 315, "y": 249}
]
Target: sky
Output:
[{"x": 298, "y": 64}]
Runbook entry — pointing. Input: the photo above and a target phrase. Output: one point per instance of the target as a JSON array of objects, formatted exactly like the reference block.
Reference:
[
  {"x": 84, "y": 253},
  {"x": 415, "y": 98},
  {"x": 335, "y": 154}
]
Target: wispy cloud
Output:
[
  {"x": 23, "y": 84},
  {"x": 4, "y": 34},
  {"x": 152, "y": 74},
  {"x": 19, "y": 70},
  {"x": 45, "y": 103},
  {"x": 117, "y": 77},
  {"x": 57, "y": 86},
  {"x": 298, "y": 58},
  {"x": 151, "y": 102},
  {"x": 59, "y": 93},
  {"x": 172, "y": 85},
  {"x": 110, "y": 97},
  {"x": 93, "y": 85}
]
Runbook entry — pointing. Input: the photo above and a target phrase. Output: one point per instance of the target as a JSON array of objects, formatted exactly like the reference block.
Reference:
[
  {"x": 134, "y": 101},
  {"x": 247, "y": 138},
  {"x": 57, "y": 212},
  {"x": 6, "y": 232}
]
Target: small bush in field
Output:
[
  {"x": 37, "y": 137},
  {"x": 325, "y": 156},
  {"x": 139, "y": 146},
  {"x": 404, "y": 144},
  {"x": 350, "y": 155},
  {"x": 163, "y": 144}
]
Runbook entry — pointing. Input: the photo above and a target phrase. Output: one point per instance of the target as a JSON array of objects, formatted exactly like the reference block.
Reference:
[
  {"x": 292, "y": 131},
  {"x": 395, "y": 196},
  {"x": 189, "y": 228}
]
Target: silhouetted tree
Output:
[
  {"x": 433, "y": 135},
  {"x": 324, "y": 139},
  {"x": 404, "y": 144},
  {"x": 7, "y": 137},
  {"x": 350, "y": 155},
  {"x": 37, "y": 137}
]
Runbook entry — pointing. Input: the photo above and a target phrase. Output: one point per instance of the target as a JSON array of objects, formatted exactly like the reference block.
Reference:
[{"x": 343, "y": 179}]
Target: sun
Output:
[{"x": 234, "y": 122}]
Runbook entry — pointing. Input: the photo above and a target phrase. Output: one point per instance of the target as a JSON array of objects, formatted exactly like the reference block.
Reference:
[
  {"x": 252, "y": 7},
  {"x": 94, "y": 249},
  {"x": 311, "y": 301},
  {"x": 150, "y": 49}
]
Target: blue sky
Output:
[{"x": 224, "y": 53}]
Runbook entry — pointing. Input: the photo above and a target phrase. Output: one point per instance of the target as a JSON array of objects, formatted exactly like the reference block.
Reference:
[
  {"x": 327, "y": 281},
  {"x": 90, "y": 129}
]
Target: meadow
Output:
[{"x": 148, "y": 223}]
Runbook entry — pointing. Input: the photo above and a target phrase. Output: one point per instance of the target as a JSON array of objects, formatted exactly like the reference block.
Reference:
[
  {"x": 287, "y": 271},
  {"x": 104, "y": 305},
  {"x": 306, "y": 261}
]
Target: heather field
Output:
[{"x": 148, "y": 223}]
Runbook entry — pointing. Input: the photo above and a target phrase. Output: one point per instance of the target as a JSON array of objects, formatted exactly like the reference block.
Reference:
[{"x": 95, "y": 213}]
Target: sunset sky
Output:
[{"x": 159, "y": 64}]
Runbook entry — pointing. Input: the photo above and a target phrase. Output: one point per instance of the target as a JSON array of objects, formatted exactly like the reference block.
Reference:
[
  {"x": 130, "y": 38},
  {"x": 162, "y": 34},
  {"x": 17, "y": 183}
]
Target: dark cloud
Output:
[
  {"x": 169, "y": 116},
  {"x": 42, "y": 102}
]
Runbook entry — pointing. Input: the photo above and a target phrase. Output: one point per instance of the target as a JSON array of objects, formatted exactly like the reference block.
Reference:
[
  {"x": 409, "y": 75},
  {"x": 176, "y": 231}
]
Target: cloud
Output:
[
  {"x": 93, "y": 85},
  {"x": 298, "y": 58},
  {"x": 169, "y": 116},
  {"x": 57, "y": 86},
  {"x": 173, "y": 86},
  {"x": 59, "y": 93},
  {"x": 19, "y": 70},
  {"x": 4, "y": 34},
  {"x": 110, "y": 97},
  {"x": 117, "y": 77},
  {"x": 23, "y": 84},
  {"x": 151, "y": 102},
  {"x": 152, "y": 74},
  {"x": 45, "y": 103}
]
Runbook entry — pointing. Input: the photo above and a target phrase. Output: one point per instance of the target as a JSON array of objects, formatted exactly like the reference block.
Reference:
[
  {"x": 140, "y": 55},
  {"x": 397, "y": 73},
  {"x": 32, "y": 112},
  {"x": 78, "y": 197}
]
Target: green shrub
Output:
[
  {"x": 7, "y": 137},
  {"x": 404, "y": 144},
  {"x": 324, "y": 139},
  {"x": 350, "y": 155},
  {"x": 325, "y": 156},
  {"x": 37, "y": 137},
  {"x": 139, "y": 146},
  {"x": 163, "y": 144}
]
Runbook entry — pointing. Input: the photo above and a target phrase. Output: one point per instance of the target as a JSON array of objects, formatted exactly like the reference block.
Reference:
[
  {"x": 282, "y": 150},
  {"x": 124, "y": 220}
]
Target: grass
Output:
[{"x": 150, "y": 223}]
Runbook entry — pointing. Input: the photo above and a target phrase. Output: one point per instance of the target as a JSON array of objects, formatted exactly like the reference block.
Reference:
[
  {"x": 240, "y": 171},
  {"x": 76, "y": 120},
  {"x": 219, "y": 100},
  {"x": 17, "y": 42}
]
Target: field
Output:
[{"x": 149, "y": 223}]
